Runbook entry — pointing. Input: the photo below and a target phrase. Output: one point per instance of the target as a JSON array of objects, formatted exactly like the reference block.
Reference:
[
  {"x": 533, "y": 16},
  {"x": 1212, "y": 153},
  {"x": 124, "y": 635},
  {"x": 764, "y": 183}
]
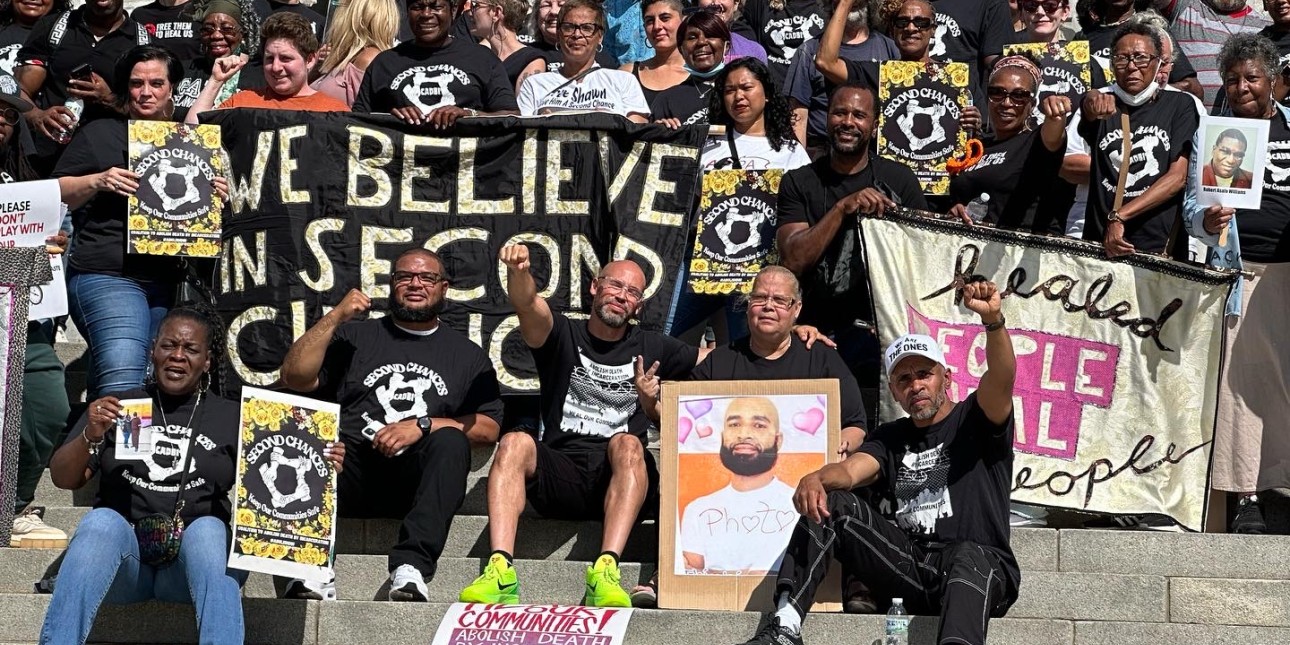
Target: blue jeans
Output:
[
  {"x": 102, "y": 565},
  {"x": 692, "y": 309},
  {"x": 119, "y": 317}
]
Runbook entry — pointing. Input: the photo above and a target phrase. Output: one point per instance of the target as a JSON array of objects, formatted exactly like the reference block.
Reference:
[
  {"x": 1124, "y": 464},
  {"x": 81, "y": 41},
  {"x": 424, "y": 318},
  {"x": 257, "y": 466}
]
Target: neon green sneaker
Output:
[
  {"x": 603, "y": 587},
  {"x": 497, "y": 585}
]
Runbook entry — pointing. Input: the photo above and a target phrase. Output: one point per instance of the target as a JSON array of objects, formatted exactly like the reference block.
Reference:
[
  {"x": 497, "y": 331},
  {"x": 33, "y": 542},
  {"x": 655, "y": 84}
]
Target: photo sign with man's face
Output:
[
  {"x": 1227, "y": 170},
  {"x": 1065, "y": 66},
  {"x": 918, "y": 122},
  {"x": 733, "y": 453},
  {"x": 735, "y": 234}
]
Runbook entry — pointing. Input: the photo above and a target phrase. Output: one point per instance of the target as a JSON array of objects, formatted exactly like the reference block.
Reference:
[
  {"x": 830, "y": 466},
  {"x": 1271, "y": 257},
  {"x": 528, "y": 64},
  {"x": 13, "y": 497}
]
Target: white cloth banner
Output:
[
  {"x": 473, "y": 624},
  {"x": 1117, "y": 362}
]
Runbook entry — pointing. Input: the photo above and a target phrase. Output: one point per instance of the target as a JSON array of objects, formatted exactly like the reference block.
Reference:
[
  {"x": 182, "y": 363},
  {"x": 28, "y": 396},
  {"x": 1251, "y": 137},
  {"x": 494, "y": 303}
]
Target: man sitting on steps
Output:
[{"x": 948, "y": 466}]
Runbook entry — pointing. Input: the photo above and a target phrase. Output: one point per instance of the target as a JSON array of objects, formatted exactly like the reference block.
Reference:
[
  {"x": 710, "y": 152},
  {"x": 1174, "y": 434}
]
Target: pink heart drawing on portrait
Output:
[
  {"x": 704, "y": 431},
  {"x": 683, "y": 427},
  {"x": 698, "y": 408},
  {"x": 808, "y": 421}
]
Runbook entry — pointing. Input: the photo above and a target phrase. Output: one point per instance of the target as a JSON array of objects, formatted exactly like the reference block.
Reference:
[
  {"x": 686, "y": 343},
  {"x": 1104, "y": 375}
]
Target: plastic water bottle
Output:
[
  {"x": 897, "y": 624},
  {"x": 977, "y": 208},
  {"x": 77, "y": 108}
]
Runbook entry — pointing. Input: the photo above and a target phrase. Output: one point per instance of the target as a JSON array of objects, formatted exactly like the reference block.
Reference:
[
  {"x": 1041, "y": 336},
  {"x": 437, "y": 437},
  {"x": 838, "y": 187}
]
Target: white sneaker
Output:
[
  {"x": 1025, "y": 515},
  {"x": 407, "y": 584},
  {"x": 31, "y": 532},
  {"x": 300, "y": 589}
]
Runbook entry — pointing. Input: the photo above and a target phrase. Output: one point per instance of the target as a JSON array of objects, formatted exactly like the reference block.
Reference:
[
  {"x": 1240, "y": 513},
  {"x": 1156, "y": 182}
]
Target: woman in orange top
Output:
[{"x": 290, "y": 51}]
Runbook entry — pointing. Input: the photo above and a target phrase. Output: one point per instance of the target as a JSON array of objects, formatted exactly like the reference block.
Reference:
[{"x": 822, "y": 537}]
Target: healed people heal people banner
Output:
[{"x": 1117, "y": 362}]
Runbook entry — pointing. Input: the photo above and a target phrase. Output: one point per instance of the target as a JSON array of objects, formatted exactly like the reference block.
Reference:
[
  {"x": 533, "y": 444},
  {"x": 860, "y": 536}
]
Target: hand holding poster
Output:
[
  {"x": 1232, "y": 150},
  {"x": 1117, "y": 362},
  {"x": 284, "y": 521},
  {"x": 31, "y": 212},
  {"x": 919, "y": 120},
  {"x": 1065, "y": 66},
  {"x": 735, "y": 234},
  {"x": 473, "y": 624},
  {"x": 176, "y": 210}
]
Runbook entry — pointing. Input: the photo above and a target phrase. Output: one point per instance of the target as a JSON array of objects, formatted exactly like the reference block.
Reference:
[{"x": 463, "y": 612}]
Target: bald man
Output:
[{"x": 590, "y": 462}]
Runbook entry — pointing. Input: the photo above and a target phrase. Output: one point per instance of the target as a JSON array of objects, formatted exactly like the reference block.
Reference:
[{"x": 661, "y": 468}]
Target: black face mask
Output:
[{"x": 749, "y": 466}]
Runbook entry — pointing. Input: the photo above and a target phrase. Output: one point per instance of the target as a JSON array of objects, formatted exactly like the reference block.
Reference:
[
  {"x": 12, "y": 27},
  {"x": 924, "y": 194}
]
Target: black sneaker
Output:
[
  {"x": 773, "y": 634},
  {"x": 857, "y": 600},
  {"x": 1148, "y": 522},
  {"x": 1249, "y": 517}
]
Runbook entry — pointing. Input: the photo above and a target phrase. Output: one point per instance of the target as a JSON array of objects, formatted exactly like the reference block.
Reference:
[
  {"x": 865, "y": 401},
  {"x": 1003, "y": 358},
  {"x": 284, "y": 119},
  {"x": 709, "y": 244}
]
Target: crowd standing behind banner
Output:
[{"x": 79, "y": 73}]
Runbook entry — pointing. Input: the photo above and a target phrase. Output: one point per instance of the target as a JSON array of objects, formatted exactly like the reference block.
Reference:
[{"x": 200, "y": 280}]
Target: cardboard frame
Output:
[{"x": 729, "y": 592}]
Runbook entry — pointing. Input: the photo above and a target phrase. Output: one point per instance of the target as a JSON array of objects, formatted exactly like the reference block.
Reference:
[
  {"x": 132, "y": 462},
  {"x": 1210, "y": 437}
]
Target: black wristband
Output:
[{"x": 996, "y": 326}]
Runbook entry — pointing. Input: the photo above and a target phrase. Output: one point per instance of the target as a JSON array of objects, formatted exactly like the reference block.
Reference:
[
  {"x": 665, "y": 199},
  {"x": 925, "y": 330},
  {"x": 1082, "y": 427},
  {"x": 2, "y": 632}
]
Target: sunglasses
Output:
[
  {"x": 10, "y": 116},
  {"x": 903, "y": 22},
  {"x": 1050, "y": 6},
  {"x": 997, "y": 94}
]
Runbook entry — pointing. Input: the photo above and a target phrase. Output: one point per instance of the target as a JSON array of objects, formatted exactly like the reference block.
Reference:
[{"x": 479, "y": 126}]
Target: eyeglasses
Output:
[
  {"x": 429, "y": 278},
  {"x": 587, "y": 29},
  {"x": 997, "y": 94},
  {"x": 227, "y": 30},
  {"x": 779, "y": 302},
  {"x": 903, "y": 22},
  {"x": 1139, "y": 60},
  {"x": 1050, "y": 6},
  {"x": 476, "y": 4},
  {"x": 618, "y": 286},
  {"x": 10, "y": 116}
]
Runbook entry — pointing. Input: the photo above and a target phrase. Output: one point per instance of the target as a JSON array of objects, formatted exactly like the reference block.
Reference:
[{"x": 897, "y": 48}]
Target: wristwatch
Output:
[
  {"x": 1114, "y": 216},
  {"x": 424, "y": 424}
]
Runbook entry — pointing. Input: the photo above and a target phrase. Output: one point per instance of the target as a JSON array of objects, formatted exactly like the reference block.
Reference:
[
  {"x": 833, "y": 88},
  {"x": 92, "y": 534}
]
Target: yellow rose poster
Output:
[
  {"x": 176, "y": 210},
  {"x": 735, "y": 235},
  {"x": 284, "y": 517},
  {"x": 918, "y": 121},
  {"x": 1065, "y": 65}
]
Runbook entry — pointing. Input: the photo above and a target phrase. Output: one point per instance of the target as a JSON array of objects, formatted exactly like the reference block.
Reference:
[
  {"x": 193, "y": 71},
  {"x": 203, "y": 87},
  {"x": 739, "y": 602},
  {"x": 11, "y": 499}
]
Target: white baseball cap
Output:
[{"x": 912, "y": 345}]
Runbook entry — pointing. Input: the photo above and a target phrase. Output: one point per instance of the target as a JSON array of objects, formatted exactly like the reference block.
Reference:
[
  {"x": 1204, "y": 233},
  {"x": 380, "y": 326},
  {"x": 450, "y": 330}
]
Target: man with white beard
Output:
[{"x": 806, "y": 86}]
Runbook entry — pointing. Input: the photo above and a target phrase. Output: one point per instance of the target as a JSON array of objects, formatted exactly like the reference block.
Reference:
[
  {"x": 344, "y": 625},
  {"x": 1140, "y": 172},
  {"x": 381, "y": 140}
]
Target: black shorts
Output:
[{"x": 572, "y": 485}]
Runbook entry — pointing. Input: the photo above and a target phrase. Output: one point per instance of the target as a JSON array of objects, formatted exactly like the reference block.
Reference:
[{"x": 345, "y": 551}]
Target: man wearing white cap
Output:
[{"x": 948, "y": 466}]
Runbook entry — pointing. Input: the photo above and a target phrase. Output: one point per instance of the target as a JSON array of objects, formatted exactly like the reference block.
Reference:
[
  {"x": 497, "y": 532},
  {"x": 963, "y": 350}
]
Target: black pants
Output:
[
  {"x": 424, "y": 487},
  {"x": 965, "y": 582}
]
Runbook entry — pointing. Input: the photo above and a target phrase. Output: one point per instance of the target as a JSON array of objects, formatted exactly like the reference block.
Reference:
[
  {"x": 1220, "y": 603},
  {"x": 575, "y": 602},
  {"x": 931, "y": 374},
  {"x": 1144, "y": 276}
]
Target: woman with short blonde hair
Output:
[{"x": 357, "y": 32}]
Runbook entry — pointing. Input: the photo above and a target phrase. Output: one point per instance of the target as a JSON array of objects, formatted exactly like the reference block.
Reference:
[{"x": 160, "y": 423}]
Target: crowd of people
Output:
[{"x": 784, "y": 84}]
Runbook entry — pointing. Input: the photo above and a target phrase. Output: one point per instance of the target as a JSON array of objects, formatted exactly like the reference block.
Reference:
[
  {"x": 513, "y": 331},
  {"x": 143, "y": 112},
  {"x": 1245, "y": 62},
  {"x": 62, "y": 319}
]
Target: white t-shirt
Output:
[
  {"x": 739, "y": 531},
  {"x": 600, "y": 90},
  {"x": 755, "y": 153}
]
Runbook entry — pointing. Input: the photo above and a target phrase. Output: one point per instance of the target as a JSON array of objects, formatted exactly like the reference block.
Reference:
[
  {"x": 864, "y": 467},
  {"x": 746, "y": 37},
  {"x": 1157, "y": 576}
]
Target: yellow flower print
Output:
[
  {"x": 325, "y": 425},
  {"x": 771, "y": 180},
  {"x": 171, "y": 248},
  {"x": 203, "y": 249},
  {"x": 138, "y": 223},
  {"x": 958, "y": 75},
  {"x": 277, "y": 551},
  {"x": 210, "y": 136},
  {"x": 309, "y": 554},
  {"x": 245, "y": 517},
  {"x": 1078, "y": 51},
  {"x": 247, "y": 545},
  {"x": 698, "y": 266}
]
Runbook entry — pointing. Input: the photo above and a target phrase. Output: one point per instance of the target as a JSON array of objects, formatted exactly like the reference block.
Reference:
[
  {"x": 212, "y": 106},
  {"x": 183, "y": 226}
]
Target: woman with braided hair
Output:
[
  {"x": 1021, "y": 161},
  {"x": 128, "y": 548},
  {"x": 226, "y": 28}
]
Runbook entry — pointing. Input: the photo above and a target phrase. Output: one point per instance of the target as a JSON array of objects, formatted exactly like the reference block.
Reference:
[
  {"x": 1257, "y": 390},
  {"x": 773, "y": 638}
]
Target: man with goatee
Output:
[{"x": 413, "y": 395}]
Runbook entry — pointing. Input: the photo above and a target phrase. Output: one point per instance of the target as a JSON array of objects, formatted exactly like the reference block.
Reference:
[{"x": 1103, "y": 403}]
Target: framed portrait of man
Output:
[{"x": 732, "y": 455}]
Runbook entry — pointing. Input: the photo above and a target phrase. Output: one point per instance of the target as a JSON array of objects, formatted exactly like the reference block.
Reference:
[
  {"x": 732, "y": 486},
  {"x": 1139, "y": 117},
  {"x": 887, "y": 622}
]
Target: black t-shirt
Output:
[
  {"x": 588, "y": 392},
  {"x": 460, "y": 73},
  {"x": 1161, "y": 132},
  {"x": 198, "y": 70},
  {"x": 517, "y": 61},
  {"x": 1018, "y": 174},
  {"x": 145, "y": 483},
  {"x": 836, "y": 290},
  {"x": 687, "y": 101},
  {"x": 950, "y": 480},
  {"x": 1265, "y": 232},
  {"x": 555, "y": 58},
  {"x": 382, "y": 374},
  {"x": 12, "y": 38},
  {"x": 99, "y": 227},
  {"x": 173, "y": 27},
  {"x": 267, "y": 8},
  {"x": 77, "y": 45},
  {"x": 968, "y": 31},
  {"x": 737, "y": 362},
  {"x": 1099, "y": 39},
  {"x": 782, "y": 31}
]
